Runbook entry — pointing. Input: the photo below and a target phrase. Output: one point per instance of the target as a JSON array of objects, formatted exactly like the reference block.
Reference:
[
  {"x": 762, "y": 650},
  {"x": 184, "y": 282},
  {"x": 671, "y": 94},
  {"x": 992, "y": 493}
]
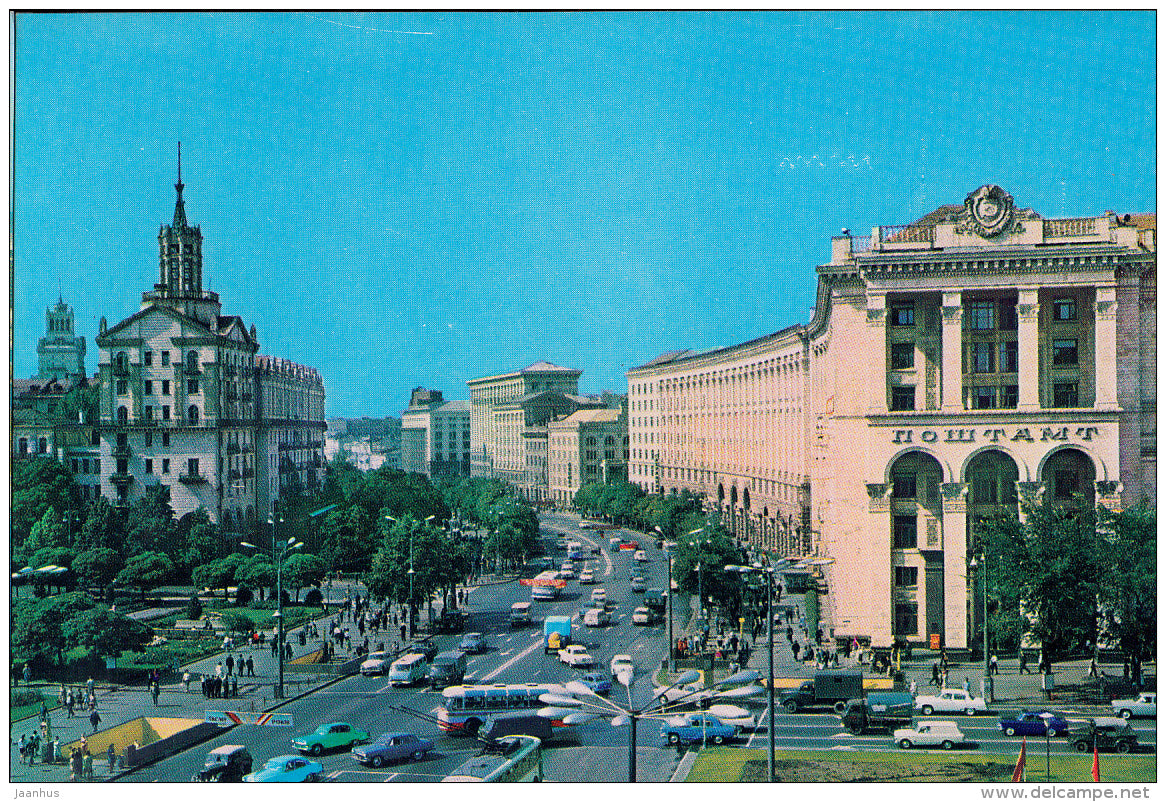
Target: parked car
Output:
[
  {"x": 638, "y": 584},
  {"x": 674, "y": 693},
  {"x": 225, "y": 764},
  {"x": 377, "y": 663},
  {"x": 596, "y": 617},
  {"x": 597, "y": 682},
  {"x": 567, "y": 571},
  {"x": 1033, "y": 723},
  {"x": 1145, "y": 705},
  {"x": 692, "y": 727},
  {"x": 452, "y": 621},
  {"x": 392, "y": 747},
  {"x": 619, "y": 662},
  {"x": 426, "y": 648},
  {"x": 576, "y": 656},
  {"x": 644, "y": 616},
  {"x": 640, "y": 556},
  {"x": 587, "y": 577},
  {"x": 1107, "y": 733},
  {"x": 287, "y": 769},
  {"x": 335, "y": 735},
  {"x": 951, "y": 700},
  {"x": 473, "y": 642},
  {"x": 520, "y": 614},
  {"x": 944, "y": 734}
]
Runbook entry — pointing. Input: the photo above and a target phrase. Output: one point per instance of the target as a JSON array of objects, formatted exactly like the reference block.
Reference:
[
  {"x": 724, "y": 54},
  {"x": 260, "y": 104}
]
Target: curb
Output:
[{"x": 682, "y": 770}]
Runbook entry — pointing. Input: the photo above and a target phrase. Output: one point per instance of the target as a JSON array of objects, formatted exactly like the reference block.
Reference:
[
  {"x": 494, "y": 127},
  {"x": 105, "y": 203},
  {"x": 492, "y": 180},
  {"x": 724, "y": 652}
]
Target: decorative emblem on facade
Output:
[{"x": 988, "y": 212}]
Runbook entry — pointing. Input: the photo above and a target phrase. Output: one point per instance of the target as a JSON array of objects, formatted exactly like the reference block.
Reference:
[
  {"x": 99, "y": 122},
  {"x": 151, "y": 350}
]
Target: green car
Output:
[{"x": 330, "y": 736}]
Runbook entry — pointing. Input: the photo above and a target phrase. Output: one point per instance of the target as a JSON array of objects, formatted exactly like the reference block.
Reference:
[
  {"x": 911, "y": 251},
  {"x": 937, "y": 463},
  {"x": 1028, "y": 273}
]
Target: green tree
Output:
[
  {"x": 150, "y": 524},
  {"x": 38, "y": 625},
  {"x": 104, "y": 527},
  {"x": 302, "y": 570},
  {"x": 38, "y": 485},
  {"x": 257, "y": 571},
  {"x": 48, "y": 532},
  {"x": 218, "y": 573},
  {"x": 198, "y": 540},
  {"x": 236, "y": 622},
  {"x": 712, "y": 550},
  {"x": 348, "y": 539},
  {"x": 146, "y": 571},
  {"x": 105, "y": 632},
  {"x": 97, "y": 567},
  {"x": 1129, "y": 579}
]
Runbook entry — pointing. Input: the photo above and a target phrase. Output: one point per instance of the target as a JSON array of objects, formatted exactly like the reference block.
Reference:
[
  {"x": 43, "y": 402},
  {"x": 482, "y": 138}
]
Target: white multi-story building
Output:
[
  {"x": 435, "y": 435},
  {"x": 590, "y": 445}
]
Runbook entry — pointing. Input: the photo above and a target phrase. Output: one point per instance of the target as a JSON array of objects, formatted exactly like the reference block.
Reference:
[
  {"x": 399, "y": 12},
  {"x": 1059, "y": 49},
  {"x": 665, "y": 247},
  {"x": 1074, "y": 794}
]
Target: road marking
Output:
[
  {"x": 392, "y": 776},
  {"x": 512, "y": 660},
  {"x": 334, "y": 775}
]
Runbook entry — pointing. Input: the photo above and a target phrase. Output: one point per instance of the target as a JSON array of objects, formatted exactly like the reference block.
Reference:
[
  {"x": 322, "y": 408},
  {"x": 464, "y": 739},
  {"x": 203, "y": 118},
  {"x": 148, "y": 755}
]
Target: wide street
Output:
[{"x": 592, "y": 752}]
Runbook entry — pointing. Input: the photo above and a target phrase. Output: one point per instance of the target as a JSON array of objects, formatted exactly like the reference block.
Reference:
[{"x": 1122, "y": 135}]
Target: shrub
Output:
[
  {"x": 194, "y": 608},
  {"x": 25, "y": 696},
  {"x": 314, "y": 598},
  {"x": 237, "y": 622},
  {"x": 243, "y": 596}
]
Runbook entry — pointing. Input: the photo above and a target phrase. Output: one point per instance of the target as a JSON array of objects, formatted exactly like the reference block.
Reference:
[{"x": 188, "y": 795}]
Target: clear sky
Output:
[{"x": 422, "y": 199}]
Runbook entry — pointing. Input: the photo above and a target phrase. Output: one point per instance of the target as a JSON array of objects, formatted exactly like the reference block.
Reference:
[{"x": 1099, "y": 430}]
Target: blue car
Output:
[
  {"x": 1033, "y": 723},
  {"x": 597, "y": 682},
  {"x": 287, "y": 769},
  {"x": 689, "y": 728},
  {"x": 473, "y": 642}
]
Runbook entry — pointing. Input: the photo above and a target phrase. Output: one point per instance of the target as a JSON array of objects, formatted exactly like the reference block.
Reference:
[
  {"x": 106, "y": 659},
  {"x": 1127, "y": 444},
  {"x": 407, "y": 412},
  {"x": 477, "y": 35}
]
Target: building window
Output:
[
  {"x": 984, "y": 490},
  {"x": 149, "y": 413},
  {"x": 123, "y": 387},
  {"x": 980, "y": 315},
  {"x": 123, "y": 415},
  {"x": 165, "y": 437},
  {"x": 904, "y": 486},
  {"x": 149, "y": 465},
  {"x": 24, "y": 445},
  {"x": 983, "y": 398},
  {"x": 192, "y": 466},
  {"x": 192, "y": 361},
  {"x": 165, "y": 358},
  {"x": 192, "y": 386},
  {"x": 97, "y": 466},
  {"x": 1065, "y": 394},
  {"x": 165, "y": 385},
  {"x": 165, "y": 412},
  {"x": 902, "y": 398},
  {"x": 980, "y": 357},
  {"x": 906, "y": 576},
  {"x": 148, "y": 358},
  {"x": 906, "y": 531},
  {"x": 1065, "y": 310},
  {"x": 165, "y": 464},
  {"x": 906, "y": 619},
  {"x": 1008, "y": 314},
  {"x": 149, "y": 439},
  {"x": 902, "y": 356},
  {"x": 1065, "y": 483},
  {"x": 1008, "y": 357},
  {"x": 903, "y": 314},
  {"x": 149, "y": 387},
  {"x": 1009, "y": 396},
  {"x": 1064, "y": 352}
]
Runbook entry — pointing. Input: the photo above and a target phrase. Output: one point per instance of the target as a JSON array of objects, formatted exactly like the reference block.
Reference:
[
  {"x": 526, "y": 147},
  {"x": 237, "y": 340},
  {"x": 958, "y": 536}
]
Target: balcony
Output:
[
  {"x": 234, "y": 475},
  {"x": 121, "y": 478},
  {"x": 121, "y": 452},
  {"x": 121, "y": 368},
  {"x": 232, "y": 448},
  {"x": 192, "y": 478},
  {"x": 191, "y": 370},
  {"x": 248, "y": 473}
]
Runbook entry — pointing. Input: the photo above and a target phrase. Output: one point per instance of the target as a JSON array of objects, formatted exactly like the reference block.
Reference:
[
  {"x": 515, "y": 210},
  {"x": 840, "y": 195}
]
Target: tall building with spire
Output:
[
  {"x": 60, "y": 353},
  {"x": 180, "y": 397}
]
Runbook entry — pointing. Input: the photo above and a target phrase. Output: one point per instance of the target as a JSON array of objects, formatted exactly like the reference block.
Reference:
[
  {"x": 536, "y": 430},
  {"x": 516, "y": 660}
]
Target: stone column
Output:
[
  {"x": 877, "y": 576},
  {"x": 955, "y": 564},
  {"x": 1109, "y": 495},
  {"x": 1105, "y": 348},
  {"x": 876, "y": 352},
  {"x": 1028, "y": 349},
  {"x": 952, "y": 378},
  {"x": 1027, "y": 493}
]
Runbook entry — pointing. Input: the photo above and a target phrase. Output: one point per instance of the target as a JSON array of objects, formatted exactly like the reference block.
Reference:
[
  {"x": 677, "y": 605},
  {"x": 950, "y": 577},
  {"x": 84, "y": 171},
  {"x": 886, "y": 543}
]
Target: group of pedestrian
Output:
[
  {"x": 219, "y": 686},
  {"x": 81, "y": 762}
]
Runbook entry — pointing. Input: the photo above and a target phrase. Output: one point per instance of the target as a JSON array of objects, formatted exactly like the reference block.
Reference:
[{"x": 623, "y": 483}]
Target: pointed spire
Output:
[{"x": 179, "y": 207}]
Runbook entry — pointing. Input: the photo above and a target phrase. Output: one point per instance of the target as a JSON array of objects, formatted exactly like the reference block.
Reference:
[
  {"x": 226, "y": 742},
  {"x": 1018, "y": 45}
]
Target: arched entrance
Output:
[{"x": 1067, "y": 474}]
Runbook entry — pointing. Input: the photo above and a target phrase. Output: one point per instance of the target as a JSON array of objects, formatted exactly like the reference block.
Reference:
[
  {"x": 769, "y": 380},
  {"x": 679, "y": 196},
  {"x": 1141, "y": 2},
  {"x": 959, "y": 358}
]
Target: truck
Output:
[
  {"x": 826, "y": 689},
  {"x": 656, "y": 599},
  {"x": 556, "y": 633},
  {"x": 878, "y": 710}
]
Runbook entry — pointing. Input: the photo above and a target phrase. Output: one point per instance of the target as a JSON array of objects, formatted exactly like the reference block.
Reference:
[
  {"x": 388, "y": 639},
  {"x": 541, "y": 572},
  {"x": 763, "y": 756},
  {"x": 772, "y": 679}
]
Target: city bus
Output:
[
  {"x": 545, "y": 586},
  {"x": 516, "y": 759},
  {"x": 464, "y": 708}
]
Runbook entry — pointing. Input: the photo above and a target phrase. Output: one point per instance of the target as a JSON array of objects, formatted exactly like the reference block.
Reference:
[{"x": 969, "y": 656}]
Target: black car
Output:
[
  {"x": 451, "y": 621},
  {"x": 226, "y": 764},
  {"x": 425, "y": 647},
  {"x": 1107, "y": 733}
]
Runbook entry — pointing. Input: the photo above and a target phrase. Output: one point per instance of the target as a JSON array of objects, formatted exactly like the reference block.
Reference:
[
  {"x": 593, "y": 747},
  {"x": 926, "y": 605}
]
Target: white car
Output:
[
  {"x": 732, "y": 714},
  {"x": 944, "y": 734},
  {"x": 599, "y": 597},
  {"x": 643, "y": 616},
  {"x": 376, "y": 663},
  {"x": 587, "y": 577},
  {"x": 1145, "y": 705},
  {"x": 619, "y": 662},
  {"x": 576, "y": 656},
  {"x": 640, "y": 556},
  {"x": 567, "y": 571},
  {"x": 596, "y": 618},
  {"x": 951, "y": 700},
  {"x": 689, "y": 693}
]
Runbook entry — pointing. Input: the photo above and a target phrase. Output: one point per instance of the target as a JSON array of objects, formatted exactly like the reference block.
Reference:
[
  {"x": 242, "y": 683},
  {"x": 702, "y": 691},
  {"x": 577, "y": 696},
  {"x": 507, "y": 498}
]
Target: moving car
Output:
[
  {"x": 520, "y": 614},
  {"x": 733, "y": 715},
  {"x": 599, "y": 597},
  {"x": 638, "y": 584},
  {"x": 676, "y": 692},
  {"x": 614, "y": 542},
  {"x": 951, "y": 700},
  {"x": 944, "y": 734},
  {"x": 587, "y": 577},
  {"x": 596, "y": 617},
  {"x": 619, "y": 662},
  {"x": 473, "y": 642},
  {"x": 452, "y": 621},
  {"x": 449, "y": 668},
  {"x": 1033, "y": 723},
  {"x": 567, "y": 571},
  {"x": 377, "y": 663},
  {"x": 692, "y": 727},
  {"x": 392, "y": 747},
  {"x": 335, "y": 735},
  {"x": 408, "y": 670},
  {"x": 226, "y": 764},
  {"x": 644, "y": 616},
  {"x": 640, "y": 556},
  {"x": 426, "y": 648},
  {"x": 597, "y": 682},
  {"x": 287, "y": 769},
  {"x": 576, "y": 656},
  {"x": 1145, "y": 705},
  {"x": 1107, "y": 733}
]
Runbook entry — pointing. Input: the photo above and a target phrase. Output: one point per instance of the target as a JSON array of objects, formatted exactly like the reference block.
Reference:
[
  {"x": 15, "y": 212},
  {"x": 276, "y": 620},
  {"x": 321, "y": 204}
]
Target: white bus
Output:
[
  {"x": 546, "y": 586},
  {"x": 518, "y": 760},
  {"x": 464, "y": 708}
]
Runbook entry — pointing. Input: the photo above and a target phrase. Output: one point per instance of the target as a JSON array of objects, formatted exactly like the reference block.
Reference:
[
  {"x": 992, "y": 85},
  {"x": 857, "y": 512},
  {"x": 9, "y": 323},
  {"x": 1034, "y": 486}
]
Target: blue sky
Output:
[{"x": 422, "y": 199}]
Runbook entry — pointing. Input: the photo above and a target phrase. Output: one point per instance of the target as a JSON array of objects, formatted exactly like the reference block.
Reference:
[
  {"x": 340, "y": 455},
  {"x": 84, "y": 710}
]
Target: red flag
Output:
[
  {"x": 1018, "y": 772},
  {"x": 1096, "y": 766}
]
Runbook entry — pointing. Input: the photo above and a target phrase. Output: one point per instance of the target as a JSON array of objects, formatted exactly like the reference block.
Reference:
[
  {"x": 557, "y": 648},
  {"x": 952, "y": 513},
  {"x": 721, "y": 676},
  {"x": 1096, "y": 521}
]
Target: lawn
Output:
[{"x": 724, "y": 764}]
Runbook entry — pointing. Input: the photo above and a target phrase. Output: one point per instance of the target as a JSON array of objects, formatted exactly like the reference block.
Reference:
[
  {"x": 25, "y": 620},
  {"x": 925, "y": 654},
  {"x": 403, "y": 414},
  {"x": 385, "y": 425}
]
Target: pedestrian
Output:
[
  {"x": 250, "y": 666},
  {"x": 87, "y": 764},
  {"x": 1093, "y": 667},
  {"x": 230, "y": 665},
  {"x": 274, "y": 646},
  {"x": 206, "y": 688},
  {"x": 27, "y": 673},
  {"x": 155, "y": 691},
  {"x": 402, "y": 632},
  {"x": 219, "y": 669},
  {"x": 796, "y": 648},
  {"x": 935, "y": 675},
  {"x": 944, "y": 678},
  {"x": 186, "y": 680},
  {"x": 69, "y": 702},
  {"x": 44, "y": 711},
  {"x": 967, "y": 685},
  {"x": 95, "y": 720},
  {"x": 1022, "y": 660},
  {"x": 75, "y": 764},
  {"x": 235, "y": 686},
  {"x": 993, "y": 664},
  {"x": 110, "y": 757},
  {"x": 33, "y": 743},
  {"x": 89, "y": 687},
  {"x": 734, "y": 642},
  {"x": 914, "y": 687}
]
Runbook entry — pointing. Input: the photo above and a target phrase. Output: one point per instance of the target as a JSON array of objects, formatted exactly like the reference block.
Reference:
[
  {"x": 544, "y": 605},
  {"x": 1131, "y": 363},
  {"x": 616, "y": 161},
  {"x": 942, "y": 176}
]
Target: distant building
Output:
[
  {"x": 366, "y": 443},
  {"x": 435, "y": 435},
  {"x": 60, "y": 353},
  {"x": 590, "y": 445}
]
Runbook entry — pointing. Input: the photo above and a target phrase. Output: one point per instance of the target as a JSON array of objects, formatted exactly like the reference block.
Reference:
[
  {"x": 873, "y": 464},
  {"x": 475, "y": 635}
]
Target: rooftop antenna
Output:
[{"x": 180, "y": 165}]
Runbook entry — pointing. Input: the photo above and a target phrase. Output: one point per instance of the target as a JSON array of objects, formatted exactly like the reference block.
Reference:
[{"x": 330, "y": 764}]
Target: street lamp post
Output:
[
  {"x": 279, "y": 550},
  {"x": 699, "y": 575},
  {"x": 671, "y": 643},
  {"x": 982, "y": 560}
]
